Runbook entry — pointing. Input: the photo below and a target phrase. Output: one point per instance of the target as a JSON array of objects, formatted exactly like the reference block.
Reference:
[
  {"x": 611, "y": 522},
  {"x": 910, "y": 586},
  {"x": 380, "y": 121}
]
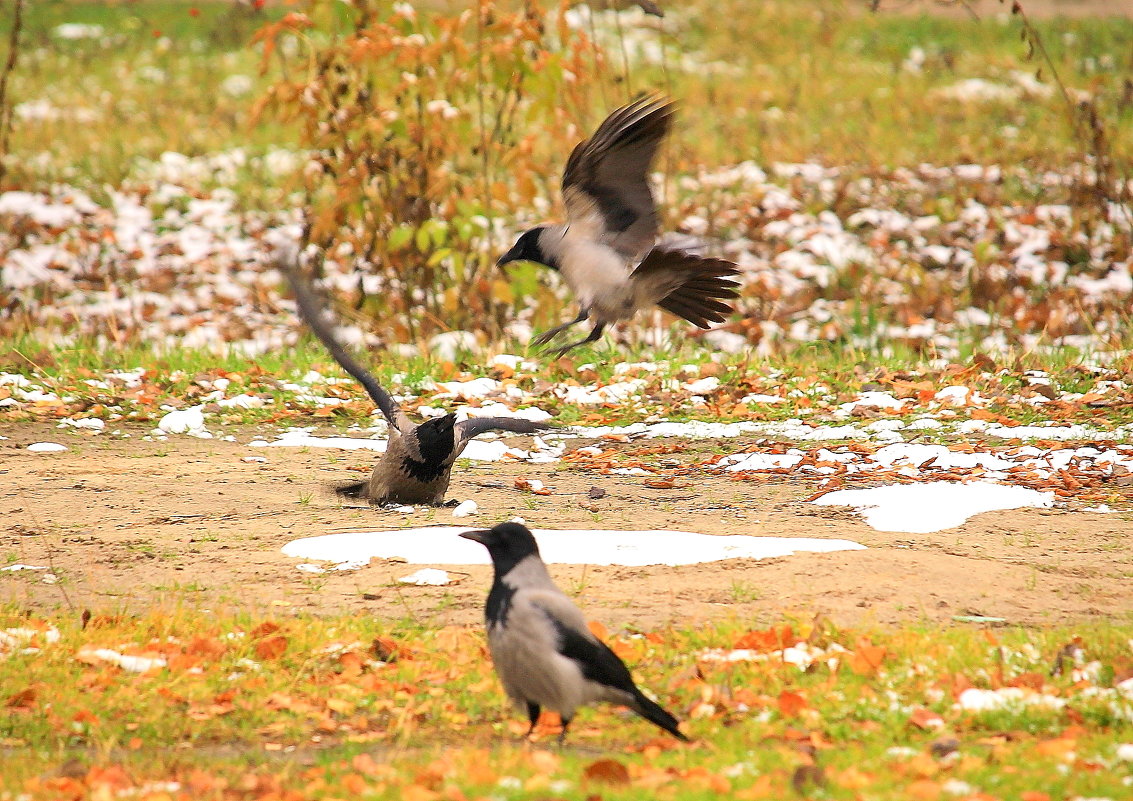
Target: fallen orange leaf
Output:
[
  {"x": 791, "y": 703},
  {"x": 24, "y": 699},
  {"x": 924, "y": 790},
  {"x": 597, "y": 629},
  {"x": 609, "y": 771},
  {"x": 772, "y": 639},
  {"x": 759, "y": 789},
  {"x": 926, "y": 719},
  {"x": 866, "y": 658},
  {"x": 271, "y": 647}
]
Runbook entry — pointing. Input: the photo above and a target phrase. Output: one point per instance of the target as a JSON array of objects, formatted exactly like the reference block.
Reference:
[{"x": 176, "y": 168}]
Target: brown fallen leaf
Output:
[
  {"x": 807, "y": 776},
  {"x": 24, "y": 699},
  {"x": 866, "y": 658},
  {"x": 271, "y": 647},
  {"x": 924, "y": 790},
  {"x": 608, "y": 771},
  {"x": 926, "y": 719},
  {"x": 791, "y": 703}
]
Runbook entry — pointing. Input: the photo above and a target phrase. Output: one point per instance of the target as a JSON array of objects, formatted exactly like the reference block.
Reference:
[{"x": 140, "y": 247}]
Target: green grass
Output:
[
  {"x": 152, "y": 83},
  {"x": 303, "y": 707},
  {"x": 814, "y": 381}
]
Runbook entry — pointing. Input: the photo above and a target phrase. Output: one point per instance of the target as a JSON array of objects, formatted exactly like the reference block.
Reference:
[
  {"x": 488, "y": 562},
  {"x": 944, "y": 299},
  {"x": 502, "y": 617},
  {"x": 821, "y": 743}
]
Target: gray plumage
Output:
[
  {"x": 608, "y": 250},
  {"x": 417, "y": 464},
  {"x": 542, "y": 649}
]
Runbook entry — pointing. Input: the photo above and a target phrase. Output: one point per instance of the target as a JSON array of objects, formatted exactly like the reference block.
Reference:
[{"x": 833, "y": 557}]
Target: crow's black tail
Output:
[
  {"x": 657, "y": 716},
  {"x": 699, "y": 286}
]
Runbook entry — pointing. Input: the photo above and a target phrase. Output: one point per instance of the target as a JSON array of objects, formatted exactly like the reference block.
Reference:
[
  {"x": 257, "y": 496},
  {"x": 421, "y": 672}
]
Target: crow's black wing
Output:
[
  {"x": 312, "y": 312},
  {"x": 473, "y": 426},
  {"x": 609, "y": 174}
]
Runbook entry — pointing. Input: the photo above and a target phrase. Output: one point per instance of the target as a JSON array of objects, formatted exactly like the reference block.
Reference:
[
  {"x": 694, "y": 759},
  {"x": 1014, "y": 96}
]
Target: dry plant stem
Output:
[
  {"x": 623, "y": 48},
  {"x": 485, "y": 176},
  {"x": 5, "y": 103},
  {"x": 1089, "y": 128}
]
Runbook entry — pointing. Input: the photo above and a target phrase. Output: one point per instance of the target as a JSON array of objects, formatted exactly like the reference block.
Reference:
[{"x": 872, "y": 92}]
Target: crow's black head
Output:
[
  {"x": 507, "y": 544},
  {"x": 435, "y": 438},
  {"x": 527, "y": 248}
]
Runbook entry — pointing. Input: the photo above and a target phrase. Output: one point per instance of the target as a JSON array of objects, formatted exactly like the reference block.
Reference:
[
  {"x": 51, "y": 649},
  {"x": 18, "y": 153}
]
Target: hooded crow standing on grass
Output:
[
  {"x": 417, "y": 464},
  {"x": 607, "y": 250},
  {"x": 543, "y": 651}
]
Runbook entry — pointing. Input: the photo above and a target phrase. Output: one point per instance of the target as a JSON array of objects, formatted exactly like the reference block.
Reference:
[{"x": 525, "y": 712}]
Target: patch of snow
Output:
[
  {"x": 440, "y": 545},
  {"x": 297, "y": 438},
  {"x": 77, "y": 30},
  {"x": 532, "y": 413},
  {"x": 765, "y": 461},
  {"x": 977, "y": 700},
  {"x": 46, "y": 447},
  {"x": 10, "y": 638},
  {"x": 703, "y": 386},
  {"x": 88, "y": 423},
  {"x": 469, "y": 390},
  {"x": 465, "y": 509},
  {"x": 189, "y": 421},
  {"x": 933, "y": 506},
  {"x": 449, "y": 345},
  {"x": 133, "y": 664},
  {"x": 426, "y": 577}
]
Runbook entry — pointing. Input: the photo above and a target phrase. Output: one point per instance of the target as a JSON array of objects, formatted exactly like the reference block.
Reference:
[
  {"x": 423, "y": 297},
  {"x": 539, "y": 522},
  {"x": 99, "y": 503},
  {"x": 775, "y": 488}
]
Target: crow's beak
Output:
[
  {"x": 477, "y": 536},
  {"x": 510, "y": 256}
]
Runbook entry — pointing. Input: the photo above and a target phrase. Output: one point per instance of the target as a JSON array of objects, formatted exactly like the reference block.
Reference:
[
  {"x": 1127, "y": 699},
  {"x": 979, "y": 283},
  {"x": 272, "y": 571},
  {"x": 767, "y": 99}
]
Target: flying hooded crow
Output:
[
  {"x": 417, "y": 464},
  {"x": 607, "y": 251},
  {"x": 542, "y": 649}
]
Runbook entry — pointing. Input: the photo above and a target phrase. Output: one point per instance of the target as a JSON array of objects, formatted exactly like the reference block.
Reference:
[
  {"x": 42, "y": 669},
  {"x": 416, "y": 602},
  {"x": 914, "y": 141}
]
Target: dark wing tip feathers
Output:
[
  {"x": 475, "y": 426},
  {"x": 600, "y": 664},
  {"x": 312, "y": 313},
  {"x": 612, "y": 165},
  {"x": 658, "y": 716}
]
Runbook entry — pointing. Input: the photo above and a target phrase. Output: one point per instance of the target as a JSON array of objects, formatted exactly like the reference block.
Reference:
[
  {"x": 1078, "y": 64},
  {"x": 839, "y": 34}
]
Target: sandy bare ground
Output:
[{"x": 128, "y": 524}]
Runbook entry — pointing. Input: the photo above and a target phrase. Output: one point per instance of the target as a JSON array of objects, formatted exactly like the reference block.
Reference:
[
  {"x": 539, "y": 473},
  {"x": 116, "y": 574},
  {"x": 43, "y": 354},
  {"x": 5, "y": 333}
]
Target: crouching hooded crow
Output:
[
  {"x": 607, "y": 251},
  {"x": 417, "y": 464},
  {"x": 541, "y": 647}
]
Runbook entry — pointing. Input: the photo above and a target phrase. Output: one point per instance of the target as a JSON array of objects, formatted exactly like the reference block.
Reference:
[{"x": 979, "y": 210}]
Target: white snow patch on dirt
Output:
[
  {"x": 933, "y": 506},
  {"x": 440, "y": 545}
]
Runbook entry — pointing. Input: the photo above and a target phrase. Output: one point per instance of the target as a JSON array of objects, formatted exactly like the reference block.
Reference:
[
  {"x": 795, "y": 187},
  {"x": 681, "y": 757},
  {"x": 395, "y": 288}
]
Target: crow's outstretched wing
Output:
[
  {"x": 313, "y": 314},
  {"x": 606, "y": 181},
  {"x": 473, "y": 426}
]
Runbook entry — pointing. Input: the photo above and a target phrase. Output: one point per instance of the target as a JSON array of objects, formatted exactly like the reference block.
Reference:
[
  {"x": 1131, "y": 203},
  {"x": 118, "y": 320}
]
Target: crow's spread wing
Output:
[
  {"x": 609, "y": 174},
  {"x": 313, "y": 314},
  {"x": 473, "y": 426}
]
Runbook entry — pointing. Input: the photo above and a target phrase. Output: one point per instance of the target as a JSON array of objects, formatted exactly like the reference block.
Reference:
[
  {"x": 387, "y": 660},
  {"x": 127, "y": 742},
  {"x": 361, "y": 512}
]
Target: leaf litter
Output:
[{"x": 353, "y": 705}]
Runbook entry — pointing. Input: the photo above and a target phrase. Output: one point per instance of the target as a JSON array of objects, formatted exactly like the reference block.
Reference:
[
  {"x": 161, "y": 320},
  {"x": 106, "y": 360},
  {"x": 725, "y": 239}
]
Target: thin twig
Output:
[{"x": 5, "y": 104}]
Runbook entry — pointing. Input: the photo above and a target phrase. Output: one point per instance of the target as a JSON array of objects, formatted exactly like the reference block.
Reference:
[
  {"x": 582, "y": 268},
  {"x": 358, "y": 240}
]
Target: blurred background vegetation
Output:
[{"x": 417, "y": 137}]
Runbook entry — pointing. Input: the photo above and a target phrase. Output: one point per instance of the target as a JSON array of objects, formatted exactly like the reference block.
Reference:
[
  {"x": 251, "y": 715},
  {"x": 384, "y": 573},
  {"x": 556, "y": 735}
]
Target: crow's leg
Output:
[
  {"x": 547, "y": 336},
  {"x": 533, "y": 711},
  {"x": 562, "y": 734},
  {"x": 595, "y": 334}
]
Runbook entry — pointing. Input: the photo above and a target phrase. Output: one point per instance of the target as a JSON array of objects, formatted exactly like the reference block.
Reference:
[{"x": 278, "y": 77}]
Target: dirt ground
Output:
[{"x": 129, "y": 524}]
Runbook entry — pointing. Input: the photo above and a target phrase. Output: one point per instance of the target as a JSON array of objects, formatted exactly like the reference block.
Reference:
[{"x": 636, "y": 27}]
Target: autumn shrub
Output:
[{"x": 421, "y": 128}]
